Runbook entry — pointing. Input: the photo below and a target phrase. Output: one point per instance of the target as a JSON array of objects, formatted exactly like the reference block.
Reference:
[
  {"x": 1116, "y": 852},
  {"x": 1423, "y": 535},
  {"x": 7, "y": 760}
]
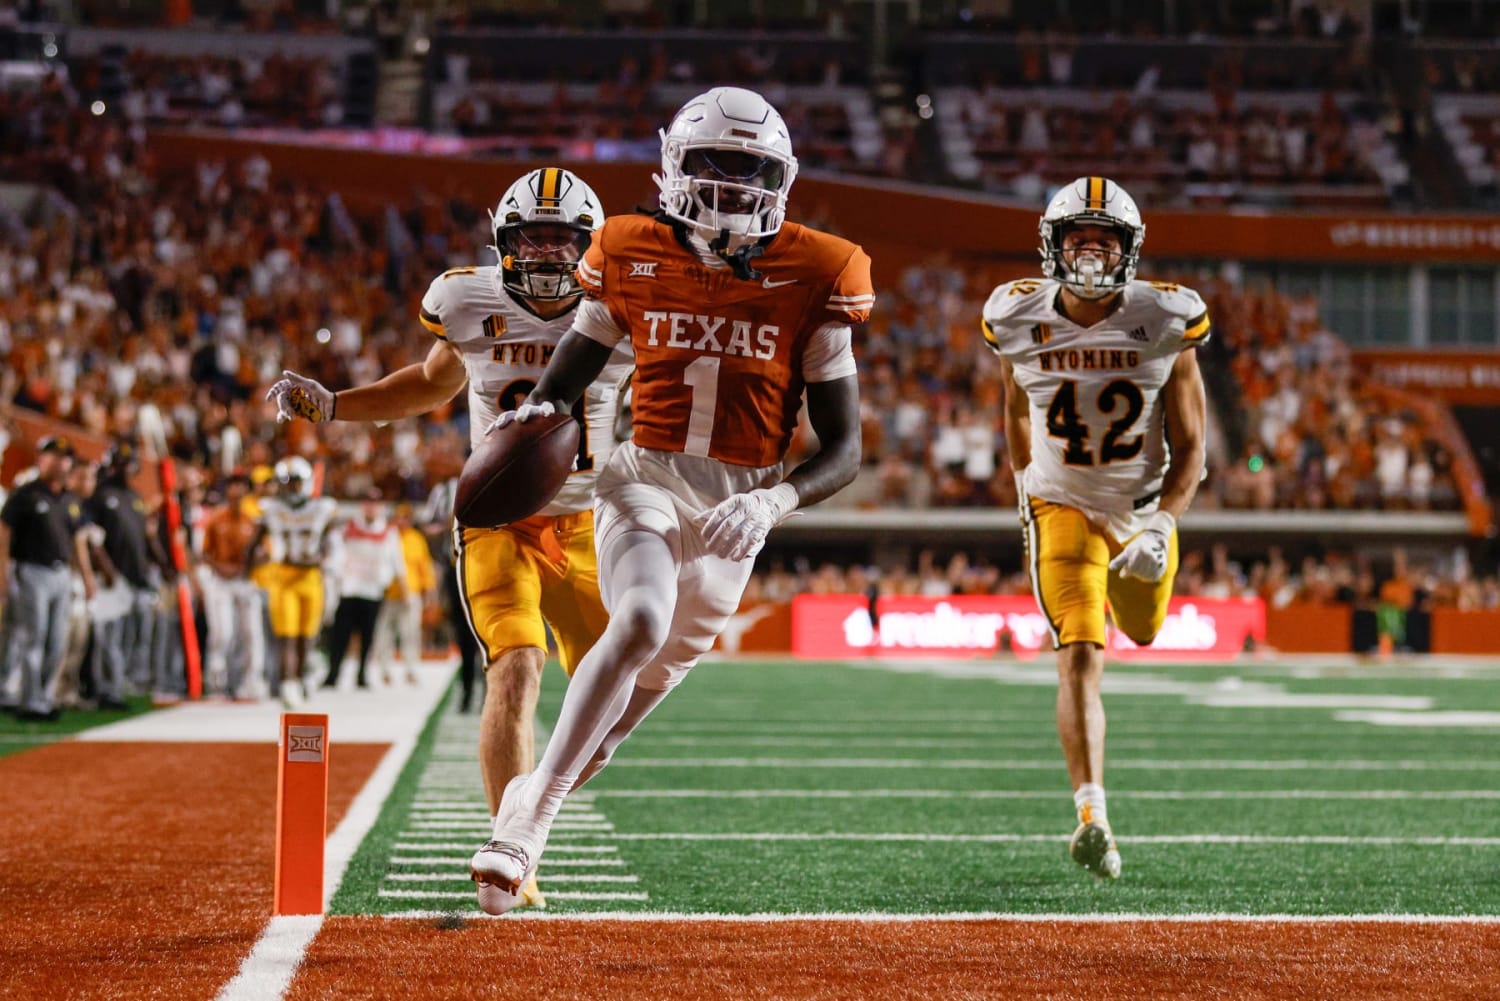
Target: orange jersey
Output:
[
  {"x": 719, "y": 360},
  {"x": 226, "y": 536}
]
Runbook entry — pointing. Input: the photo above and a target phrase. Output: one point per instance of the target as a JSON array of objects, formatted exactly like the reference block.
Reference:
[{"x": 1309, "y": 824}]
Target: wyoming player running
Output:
[
  {"x": 1104, "y": 417},
  {"x": 496, "y": 329}
]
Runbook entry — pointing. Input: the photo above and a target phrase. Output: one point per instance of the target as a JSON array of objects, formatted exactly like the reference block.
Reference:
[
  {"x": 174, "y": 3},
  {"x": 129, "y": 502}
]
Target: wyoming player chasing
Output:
[
  {"x": 1104, "y": 419},
  {"x": 733, "y": 316},
  {"x": 496, "y": 329}
]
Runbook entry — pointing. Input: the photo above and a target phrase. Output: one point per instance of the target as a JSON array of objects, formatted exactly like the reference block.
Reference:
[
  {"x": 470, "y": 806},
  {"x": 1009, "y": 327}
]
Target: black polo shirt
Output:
[
  {"x": 120, "y": 511},
  {"x": 41, "y": 524}
]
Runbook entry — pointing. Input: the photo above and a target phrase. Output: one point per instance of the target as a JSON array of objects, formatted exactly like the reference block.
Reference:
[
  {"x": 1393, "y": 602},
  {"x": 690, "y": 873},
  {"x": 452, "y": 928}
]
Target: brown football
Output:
[{"x": 516, "y": 471}]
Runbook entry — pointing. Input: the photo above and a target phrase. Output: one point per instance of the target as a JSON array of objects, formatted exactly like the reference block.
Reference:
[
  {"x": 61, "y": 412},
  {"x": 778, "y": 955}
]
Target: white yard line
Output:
[
  {"x": 1145, "y": 839},
  {"x": 1051, "y": 764},
  {"x": 450, "y": 876},
  {"x": 551, "y": 895},
  {"x": 1117, "y": 795},
  {"x": 878, "y": 917}
]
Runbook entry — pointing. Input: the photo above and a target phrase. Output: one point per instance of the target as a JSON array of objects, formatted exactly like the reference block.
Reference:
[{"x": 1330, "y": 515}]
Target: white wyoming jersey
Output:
[
  {"x": 1097, "y": 421},
  {"x": 295, "y": 531},
  {"x": 505, "y": 348}
]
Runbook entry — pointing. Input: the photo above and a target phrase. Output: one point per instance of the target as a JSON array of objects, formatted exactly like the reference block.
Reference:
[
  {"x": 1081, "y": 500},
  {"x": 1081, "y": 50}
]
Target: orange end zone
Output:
[
  {"x": 135, "y": 871},
  {"x": 439, "y": 959}
]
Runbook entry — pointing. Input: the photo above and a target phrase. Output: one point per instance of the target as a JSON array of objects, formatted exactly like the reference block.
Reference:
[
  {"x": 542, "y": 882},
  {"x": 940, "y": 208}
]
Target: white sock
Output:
[{"x": 1092, "y": 795}]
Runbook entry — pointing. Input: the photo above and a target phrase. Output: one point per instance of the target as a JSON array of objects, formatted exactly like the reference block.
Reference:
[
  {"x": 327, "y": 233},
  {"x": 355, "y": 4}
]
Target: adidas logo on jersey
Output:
[
  {"x": 703, "y": 333},
  {"x": 1139, "y": 334}
]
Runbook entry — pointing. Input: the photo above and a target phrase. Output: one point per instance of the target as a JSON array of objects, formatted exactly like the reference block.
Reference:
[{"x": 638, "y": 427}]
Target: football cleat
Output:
[
  {"x": 505, "y": 871},
  {"x": 1093, "y": 846},
  {"x": 502, "y": 869}
]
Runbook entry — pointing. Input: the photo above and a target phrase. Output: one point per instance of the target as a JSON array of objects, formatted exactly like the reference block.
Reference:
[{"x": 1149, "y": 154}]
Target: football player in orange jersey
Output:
[{"x": 733, "y": 315}]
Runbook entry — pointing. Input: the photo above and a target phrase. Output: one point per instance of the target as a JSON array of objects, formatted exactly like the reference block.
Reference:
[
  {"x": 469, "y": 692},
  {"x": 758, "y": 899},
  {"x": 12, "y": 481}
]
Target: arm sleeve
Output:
[
  {"x": 597, "y": 323},
  {"x": 590, "y": 272},
  {"x": 829, "y": 354},
  {"x": 431, "y": 312},
  {"x": 853, "y": 293},
  {"x": 1196, "y": 326}
]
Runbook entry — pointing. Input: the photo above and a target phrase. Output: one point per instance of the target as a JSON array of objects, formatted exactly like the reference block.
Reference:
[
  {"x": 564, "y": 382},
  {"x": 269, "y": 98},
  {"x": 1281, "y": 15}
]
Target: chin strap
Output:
[{"x": 739, "y": 261}]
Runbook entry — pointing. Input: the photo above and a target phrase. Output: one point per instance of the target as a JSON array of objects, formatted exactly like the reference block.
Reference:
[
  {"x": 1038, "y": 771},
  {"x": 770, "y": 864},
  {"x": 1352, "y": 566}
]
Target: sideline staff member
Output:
[{"x": 40, "y": 541}]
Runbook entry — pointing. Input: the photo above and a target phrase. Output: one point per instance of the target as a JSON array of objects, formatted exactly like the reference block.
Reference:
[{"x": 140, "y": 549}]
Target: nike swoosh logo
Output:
[{"x": 767, "y": 283}]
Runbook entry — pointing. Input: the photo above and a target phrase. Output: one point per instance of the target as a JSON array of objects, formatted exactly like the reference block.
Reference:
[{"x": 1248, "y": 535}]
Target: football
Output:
[{"x": 516, "y": 471}]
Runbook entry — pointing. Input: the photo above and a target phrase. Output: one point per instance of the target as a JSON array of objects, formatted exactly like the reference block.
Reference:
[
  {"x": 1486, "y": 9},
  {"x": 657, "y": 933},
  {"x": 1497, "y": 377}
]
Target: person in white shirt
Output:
[{"x": 372, "y": 560}]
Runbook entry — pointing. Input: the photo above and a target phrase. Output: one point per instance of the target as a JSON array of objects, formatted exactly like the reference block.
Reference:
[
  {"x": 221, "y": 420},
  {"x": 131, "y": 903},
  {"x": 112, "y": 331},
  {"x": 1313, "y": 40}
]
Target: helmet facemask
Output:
[
  {"x": 1090, "y": 267},
  {"x": 719, "y": 190},
  {"x": 538, "y": 259}
]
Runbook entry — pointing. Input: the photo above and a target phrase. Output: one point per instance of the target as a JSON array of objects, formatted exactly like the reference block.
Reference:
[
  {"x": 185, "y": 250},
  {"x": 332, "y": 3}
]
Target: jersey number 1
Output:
[
  {"x": 702, "y": 377},
  {"x": 1063, "y": 422}
]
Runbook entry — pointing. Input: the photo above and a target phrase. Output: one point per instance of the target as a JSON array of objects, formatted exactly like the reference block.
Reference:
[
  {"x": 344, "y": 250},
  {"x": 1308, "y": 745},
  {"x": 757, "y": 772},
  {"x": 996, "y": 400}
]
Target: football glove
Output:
[
  {"x": 298, "y": 396},
  {"x": 1145, "y": 556},
  {"x": 522, "y": 414},
  {"x": 736, "y": 527}
]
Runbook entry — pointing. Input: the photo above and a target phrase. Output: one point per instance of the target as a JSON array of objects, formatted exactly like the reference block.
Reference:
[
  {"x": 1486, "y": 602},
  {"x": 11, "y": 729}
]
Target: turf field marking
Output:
[
  {"x": 1230, "y": 691},
  {"x": 969, "y": 916},
  {"x": 422, "y": 846},
  {"x": 550, "y": 894},
  {"x": 1438, "y": 719},
  {"x": 454, "y": 877},
  {"x": 1145, "y": 839},
  {"x": 547, "y": 864},
  {"x": 1050, "y": 764},
  {"x": 1049, "y": 794}
]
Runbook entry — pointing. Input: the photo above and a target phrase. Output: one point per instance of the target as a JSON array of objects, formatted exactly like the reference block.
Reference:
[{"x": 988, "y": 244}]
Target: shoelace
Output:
[{"x": 509, "y": 849}]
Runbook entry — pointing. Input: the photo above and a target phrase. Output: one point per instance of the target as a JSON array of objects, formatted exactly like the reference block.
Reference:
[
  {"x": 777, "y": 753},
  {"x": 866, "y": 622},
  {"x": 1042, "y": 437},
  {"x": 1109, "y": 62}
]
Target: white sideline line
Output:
[
  {"x": 1115, "y": 796},
  {"x": 1145, "y": 839},
  {"x": 962, "y": 917},
  {"x": 468, "y": 815},
  {"x": 428, "y": 846},
  {"x": 551, "y": 895},
  {"x": 463, "y": 860},
  {"x": 452, "y": 877},
  {"x": 1050, "y": 764}
]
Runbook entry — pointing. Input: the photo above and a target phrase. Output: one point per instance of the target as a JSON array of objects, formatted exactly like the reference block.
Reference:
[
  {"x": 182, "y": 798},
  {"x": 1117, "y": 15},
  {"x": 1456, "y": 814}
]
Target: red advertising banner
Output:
[{"x": 839, "y": 625}]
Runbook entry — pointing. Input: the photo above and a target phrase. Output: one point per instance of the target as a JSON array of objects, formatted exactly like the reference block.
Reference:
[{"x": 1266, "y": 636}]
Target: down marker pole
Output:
[{"x": 301, "y": 812}]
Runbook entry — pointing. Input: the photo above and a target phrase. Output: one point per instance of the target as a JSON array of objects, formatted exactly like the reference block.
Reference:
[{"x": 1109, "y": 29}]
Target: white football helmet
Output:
[
  {"x": 543, "y": 224},
  {"x": 295, "y": 474},
  {"x": 1096, "y": 201},
  {"x": 726, "y": 168}
]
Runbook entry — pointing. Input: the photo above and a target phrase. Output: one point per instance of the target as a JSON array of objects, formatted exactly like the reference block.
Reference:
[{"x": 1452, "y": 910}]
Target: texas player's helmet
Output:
[
  {"x": 543, "y": 224},
  {"x": 726, "y": 167},
  {"x": 1092, "y": 201}
]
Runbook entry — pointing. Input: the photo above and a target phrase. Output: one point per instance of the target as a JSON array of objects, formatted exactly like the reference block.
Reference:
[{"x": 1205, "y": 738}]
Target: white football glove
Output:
[
  {"x": 521, "y": 415},
  {"x": 1145, "y": 556},
  {"x": 298, "y": 396},
  {"x": 736, "y": 527}
]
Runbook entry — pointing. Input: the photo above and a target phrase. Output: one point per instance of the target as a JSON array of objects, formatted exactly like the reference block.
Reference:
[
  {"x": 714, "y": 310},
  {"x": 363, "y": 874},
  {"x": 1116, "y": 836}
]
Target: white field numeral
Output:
[{"x": 702, "y": 377}]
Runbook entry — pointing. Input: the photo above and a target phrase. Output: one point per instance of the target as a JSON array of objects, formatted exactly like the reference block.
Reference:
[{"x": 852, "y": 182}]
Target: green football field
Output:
[{"x": 938, "y": 788}]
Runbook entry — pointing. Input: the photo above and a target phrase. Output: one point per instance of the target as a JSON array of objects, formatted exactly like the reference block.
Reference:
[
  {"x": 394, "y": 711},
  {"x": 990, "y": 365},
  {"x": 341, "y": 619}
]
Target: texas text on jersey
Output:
[
  {"x": 504, "y": 348},
  {"x": 1096, "y": 415},
  {"x": 721, "y": 361}
]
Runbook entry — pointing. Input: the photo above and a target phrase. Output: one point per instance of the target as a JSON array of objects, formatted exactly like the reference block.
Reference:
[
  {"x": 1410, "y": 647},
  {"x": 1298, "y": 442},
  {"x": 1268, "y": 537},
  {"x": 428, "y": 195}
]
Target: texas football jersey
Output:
[
  {"x": 505, "y": 348},
  {"x": 721, "y": 361},
  {"x": 295, "y": 531},
  {"x": 1097, "y": 417}
]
